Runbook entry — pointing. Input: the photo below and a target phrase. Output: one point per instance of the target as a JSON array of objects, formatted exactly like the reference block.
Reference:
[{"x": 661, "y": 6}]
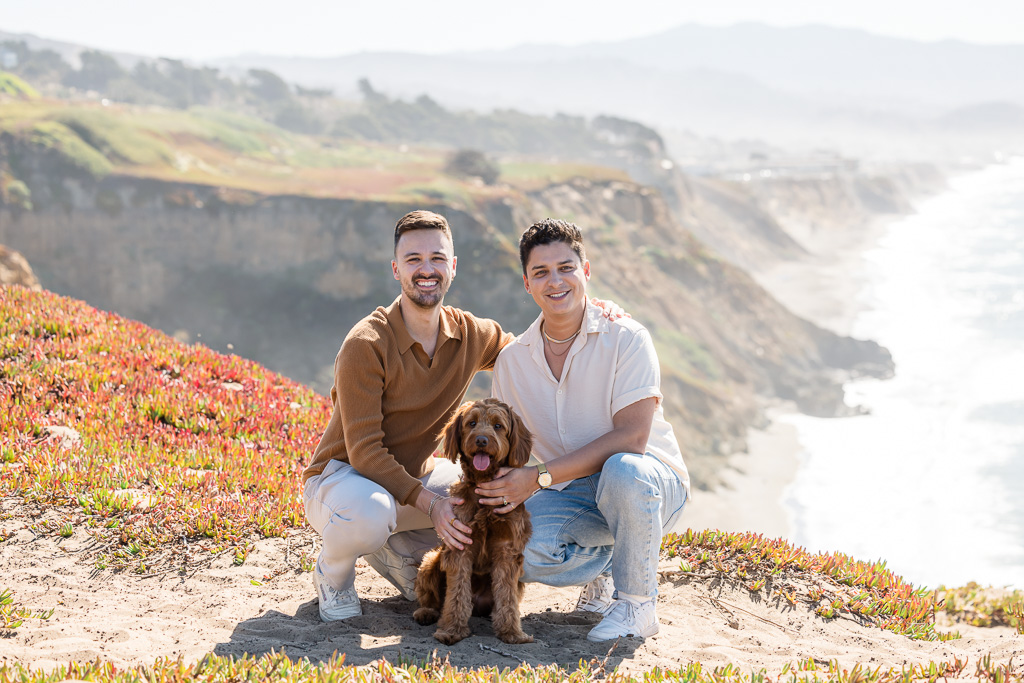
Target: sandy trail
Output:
[{"x": 232, "y": 610}]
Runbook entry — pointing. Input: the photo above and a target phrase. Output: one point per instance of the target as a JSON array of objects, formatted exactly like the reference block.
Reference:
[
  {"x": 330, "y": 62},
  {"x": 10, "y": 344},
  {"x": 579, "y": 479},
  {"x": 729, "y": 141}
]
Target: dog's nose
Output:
[{"x": 481, "y": 442}]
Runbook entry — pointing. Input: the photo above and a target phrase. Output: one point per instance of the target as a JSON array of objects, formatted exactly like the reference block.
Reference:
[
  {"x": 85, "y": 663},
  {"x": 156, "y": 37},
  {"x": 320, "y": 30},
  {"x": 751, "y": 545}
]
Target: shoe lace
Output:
[
  {"x": 615, "y": 613},
  {"x": 334, "y": 594},
  {"x": 594, "y": 593}
]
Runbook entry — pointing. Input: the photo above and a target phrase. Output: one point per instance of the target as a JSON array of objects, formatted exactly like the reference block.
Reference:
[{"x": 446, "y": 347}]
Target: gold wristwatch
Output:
[{"x": 543, "y": 476}]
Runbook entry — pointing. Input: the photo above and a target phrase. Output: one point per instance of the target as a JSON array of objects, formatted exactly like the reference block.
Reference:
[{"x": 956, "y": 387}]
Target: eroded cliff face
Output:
[
  {"x": 760, "y": 222},
  {"x": 281, "y": 279},
  {"x": 15, "y": 270},
  {"x": 731, "y": 220}
]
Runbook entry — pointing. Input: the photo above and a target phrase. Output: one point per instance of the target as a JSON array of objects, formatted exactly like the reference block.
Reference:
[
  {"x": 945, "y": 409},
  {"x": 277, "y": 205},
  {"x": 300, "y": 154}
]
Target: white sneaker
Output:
[
  {"x": 597, "y": 596},
  {"x": 335, "y": 604},
  {"x": 626, "y": 619},
  {"x": 399, "y": 570}
]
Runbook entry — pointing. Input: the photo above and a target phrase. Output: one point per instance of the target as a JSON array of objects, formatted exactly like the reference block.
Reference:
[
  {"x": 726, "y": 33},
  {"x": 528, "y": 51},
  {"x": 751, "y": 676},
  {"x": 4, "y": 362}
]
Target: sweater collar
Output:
[{"x": 449, "y": 327}]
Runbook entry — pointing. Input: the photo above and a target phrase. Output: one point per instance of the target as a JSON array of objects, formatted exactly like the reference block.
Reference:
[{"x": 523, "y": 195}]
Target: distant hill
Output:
[
  {"x": 810, "y": 86},
  {"x": 702, "y": 99},
  {"x": 840, "y": 65},
  {"x": 68, "y": 51},
  {"x": 803, "y": 88}
]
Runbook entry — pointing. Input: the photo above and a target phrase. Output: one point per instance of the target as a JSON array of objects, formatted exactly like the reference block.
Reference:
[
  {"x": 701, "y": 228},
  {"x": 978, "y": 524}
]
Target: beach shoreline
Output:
[
  {"x": 754, "y": 485},
  {"x": 826, "y": 288}
]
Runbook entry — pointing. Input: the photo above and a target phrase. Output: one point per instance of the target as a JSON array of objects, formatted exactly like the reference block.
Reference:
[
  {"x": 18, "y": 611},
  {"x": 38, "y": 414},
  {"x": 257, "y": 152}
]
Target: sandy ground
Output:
[{"x": 232, "y": 610}]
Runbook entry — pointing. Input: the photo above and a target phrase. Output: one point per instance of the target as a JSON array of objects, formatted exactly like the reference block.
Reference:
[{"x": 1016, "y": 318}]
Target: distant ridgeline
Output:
[
  {"x": 261, "y": 93},
  {"x": 222, "y": 228}
]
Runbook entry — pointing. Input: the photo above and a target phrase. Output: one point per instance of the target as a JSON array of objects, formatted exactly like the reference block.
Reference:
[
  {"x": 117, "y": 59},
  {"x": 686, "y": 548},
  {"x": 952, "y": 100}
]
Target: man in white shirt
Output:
[{"x": 609, "y": 479}]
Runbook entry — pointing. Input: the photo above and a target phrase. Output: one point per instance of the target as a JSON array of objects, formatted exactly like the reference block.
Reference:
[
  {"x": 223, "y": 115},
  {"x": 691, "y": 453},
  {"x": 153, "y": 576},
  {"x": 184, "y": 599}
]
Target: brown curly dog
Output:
[{"x": 484, "y": 577}]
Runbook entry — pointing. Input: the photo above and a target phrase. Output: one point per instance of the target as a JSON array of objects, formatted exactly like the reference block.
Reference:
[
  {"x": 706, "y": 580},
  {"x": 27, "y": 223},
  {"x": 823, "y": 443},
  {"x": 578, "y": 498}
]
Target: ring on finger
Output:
[{"x": 504, "y": 500}]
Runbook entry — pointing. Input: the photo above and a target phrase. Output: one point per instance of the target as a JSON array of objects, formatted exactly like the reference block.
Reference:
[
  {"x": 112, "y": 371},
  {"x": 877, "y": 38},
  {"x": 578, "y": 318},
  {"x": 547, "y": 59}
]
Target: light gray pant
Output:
[{"x": 357, "y": 517}]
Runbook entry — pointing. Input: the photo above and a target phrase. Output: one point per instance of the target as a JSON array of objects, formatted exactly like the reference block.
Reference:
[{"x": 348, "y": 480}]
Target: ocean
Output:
[{"x": 932, "y": 480}]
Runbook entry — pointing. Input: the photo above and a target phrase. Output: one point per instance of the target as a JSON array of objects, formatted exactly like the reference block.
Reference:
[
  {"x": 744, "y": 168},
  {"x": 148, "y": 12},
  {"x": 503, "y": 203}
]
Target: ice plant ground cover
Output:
[
  {"x": 166, "y": 455},
  {"x": 279, "y": 667},
  {"x": 834, "y": 585},
  {"x": 145, "y": 442},
  {"x": 13, "y": 614}
]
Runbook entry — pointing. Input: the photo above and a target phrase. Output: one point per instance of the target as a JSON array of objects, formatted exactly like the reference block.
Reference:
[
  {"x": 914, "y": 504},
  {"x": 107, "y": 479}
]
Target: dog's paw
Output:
[
  {"x": 426, "y": 615},
  {"x": 515, "y": 637},
  {"x": 451, "y": 636}
]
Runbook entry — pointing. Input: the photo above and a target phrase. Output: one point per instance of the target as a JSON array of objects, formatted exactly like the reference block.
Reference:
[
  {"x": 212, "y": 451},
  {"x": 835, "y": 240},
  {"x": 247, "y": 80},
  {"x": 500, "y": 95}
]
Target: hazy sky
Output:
[{"x": 210, "y": 28}]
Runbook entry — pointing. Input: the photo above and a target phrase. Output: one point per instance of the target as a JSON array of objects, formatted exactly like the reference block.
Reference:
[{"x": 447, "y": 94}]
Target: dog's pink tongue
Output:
[{"x": 481, "y": 461}]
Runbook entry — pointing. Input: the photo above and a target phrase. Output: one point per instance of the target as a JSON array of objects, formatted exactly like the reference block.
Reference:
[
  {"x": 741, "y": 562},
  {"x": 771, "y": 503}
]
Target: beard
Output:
[{"x": 425, "y": 299}]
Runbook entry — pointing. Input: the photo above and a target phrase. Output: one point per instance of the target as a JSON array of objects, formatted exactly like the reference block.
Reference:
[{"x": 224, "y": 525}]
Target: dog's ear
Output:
[
  {"x": 453, "y": 434},
  {"x": 520, "y": 441}
]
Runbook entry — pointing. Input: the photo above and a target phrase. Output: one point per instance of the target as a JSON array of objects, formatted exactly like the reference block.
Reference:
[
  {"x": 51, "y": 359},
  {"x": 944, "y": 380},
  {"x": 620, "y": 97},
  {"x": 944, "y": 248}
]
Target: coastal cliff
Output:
[
  {"x": 758, "y": 221},
  {"x": 281, "y": 278}
]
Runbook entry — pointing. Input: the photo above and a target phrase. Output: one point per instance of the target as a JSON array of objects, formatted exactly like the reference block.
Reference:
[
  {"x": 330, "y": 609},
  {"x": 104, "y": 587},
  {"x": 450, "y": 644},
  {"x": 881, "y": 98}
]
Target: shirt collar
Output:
[
  {"x": 450, "y": 329},
  {"x": 593, "y": 321}
]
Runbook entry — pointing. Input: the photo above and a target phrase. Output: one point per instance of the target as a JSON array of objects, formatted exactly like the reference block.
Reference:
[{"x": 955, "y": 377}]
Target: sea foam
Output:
[{"x": 932, "y": 480}]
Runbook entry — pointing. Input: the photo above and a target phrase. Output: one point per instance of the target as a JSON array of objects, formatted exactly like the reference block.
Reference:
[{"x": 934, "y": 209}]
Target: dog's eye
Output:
[
  {"x": 498, "y": 425},
  {"x": 472, "y": 423}
]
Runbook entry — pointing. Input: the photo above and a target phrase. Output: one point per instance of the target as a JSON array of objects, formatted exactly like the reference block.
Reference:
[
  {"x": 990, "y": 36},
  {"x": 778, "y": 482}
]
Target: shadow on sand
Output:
[{"x": 386, "y": 630}]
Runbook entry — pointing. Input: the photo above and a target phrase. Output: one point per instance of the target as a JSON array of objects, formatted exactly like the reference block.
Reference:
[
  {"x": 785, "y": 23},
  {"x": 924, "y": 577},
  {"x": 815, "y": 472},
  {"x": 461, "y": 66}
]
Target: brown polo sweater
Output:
[{"x": 391, "y": 401}]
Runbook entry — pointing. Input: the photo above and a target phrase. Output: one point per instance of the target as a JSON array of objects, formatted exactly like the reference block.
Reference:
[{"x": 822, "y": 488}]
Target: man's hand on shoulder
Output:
[{"x": 610, "y": 309}]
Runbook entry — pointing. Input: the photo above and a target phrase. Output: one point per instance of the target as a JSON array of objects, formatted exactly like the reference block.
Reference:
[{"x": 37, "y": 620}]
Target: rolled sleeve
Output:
[{"x": 637, "y": 372}]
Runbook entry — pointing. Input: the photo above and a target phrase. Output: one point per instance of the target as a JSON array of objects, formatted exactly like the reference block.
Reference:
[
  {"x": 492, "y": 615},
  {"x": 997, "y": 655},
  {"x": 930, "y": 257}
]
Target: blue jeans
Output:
[{"x": 626, "y": 507}]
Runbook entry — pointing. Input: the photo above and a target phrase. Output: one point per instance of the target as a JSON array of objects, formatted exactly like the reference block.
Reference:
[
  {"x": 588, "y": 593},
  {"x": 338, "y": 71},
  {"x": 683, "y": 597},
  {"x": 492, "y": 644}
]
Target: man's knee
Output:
[
  {"x": 626, "y": 477},
  {"x": 361, "y": 525}
]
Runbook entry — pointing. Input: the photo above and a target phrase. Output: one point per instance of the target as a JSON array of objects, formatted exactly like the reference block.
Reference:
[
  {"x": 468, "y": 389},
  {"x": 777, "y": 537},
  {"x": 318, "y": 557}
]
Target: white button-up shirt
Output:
[{"x": 610, "y": 365}]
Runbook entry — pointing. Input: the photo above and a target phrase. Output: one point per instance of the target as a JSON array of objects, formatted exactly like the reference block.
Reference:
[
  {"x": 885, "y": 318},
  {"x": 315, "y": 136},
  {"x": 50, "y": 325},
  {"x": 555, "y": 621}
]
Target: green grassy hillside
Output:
[
  {"x": 217, "y": 147},
  {"x": 12, "y": 86}
]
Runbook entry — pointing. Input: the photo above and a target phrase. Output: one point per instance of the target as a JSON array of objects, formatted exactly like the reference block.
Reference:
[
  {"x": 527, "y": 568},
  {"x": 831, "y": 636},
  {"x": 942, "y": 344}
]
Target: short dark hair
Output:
[
  {"x": 548, "y": 231},
  {"x": 421, "y": 220}
]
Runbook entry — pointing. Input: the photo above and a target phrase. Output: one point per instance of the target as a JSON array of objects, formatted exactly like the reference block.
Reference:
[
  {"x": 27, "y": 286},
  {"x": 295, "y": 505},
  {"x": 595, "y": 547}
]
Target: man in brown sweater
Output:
[{"x": 373, "y": 488}]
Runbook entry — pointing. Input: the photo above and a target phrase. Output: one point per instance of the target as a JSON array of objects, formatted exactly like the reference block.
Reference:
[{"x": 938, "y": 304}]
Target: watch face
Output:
[{"x": 544, "y": 479}]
